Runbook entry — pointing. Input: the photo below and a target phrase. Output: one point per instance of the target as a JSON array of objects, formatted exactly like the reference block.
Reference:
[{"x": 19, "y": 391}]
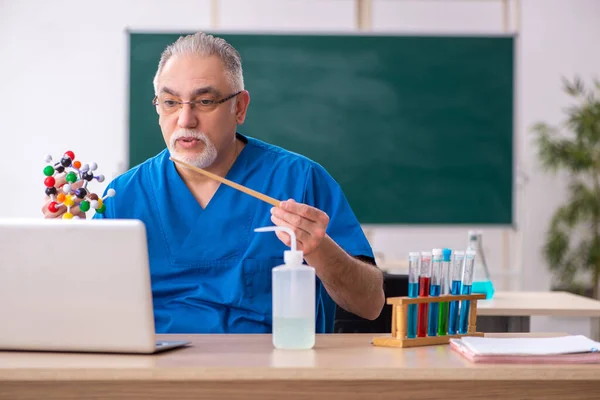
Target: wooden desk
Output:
[
  {"x": 247, "y": 367},
  {"x": 554, "y": 304},
  {"x": 512, "y": 311}
]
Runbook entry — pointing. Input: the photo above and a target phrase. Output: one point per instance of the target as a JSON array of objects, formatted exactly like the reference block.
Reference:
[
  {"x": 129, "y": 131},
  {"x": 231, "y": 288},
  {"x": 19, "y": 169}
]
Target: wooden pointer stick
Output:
[{"x": 234, "y": 185}]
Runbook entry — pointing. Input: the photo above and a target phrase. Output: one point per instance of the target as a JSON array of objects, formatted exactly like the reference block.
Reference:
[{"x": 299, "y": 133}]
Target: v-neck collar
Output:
[{"x": 184, "y": 220}]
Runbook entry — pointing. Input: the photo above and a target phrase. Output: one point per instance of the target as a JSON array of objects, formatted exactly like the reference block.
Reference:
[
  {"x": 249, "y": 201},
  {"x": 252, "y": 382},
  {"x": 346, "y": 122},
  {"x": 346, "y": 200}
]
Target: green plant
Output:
[{"x": 572, "y": 245}]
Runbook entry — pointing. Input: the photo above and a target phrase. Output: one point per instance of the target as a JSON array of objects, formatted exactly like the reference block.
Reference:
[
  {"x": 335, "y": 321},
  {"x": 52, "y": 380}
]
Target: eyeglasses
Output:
[{"x": 169, "y": 105}]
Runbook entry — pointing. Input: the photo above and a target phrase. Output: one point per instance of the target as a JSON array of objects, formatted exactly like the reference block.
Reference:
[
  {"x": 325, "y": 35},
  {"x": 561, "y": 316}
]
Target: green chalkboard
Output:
[{"x": 416, "y": 129}]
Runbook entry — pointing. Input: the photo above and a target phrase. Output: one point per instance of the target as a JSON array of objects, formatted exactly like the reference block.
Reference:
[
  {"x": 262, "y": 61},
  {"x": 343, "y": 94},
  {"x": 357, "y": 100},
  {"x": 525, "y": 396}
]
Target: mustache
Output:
[{"x": 188, "y": 133}]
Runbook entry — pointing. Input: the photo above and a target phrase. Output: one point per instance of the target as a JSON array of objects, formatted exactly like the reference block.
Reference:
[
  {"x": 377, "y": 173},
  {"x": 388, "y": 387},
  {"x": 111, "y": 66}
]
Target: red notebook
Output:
[{"x": 576, "y": 349}]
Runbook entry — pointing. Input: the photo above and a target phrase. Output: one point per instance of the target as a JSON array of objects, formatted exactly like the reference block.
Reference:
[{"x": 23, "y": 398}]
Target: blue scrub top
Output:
[{"x": 210, "y": 272}]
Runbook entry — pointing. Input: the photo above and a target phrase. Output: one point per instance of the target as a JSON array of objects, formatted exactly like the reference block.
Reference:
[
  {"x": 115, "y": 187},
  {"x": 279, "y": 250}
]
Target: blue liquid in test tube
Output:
[
  {"x": 413, "y": 291},
  {"x": 456, "y": 269},
  {"x": 434, "y": 291},
  {"x": 466, "y": 289}
]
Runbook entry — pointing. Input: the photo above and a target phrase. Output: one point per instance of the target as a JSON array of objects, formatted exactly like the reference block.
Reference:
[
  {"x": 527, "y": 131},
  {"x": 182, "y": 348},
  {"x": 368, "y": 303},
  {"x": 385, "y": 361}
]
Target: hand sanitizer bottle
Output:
[{"x": 293, "y": 298}]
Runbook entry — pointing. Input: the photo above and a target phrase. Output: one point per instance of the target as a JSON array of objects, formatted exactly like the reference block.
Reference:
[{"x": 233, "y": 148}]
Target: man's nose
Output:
[{"x": 187, "y": 117}]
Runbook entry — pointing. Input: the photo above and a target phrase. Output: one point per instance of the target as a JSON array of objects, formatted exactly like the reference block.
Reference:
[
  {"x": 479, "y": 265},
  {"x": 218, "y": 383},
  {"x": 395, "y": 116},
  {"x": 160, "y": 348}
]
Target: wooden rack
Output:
[{"x": 400, "y": 315}]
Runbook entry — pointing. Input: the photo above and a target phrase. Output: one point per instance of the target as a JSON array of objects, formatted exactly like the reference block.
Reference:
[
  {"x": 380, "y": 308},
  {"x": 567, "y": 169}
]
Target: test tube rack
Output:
[{"x": 400, "y": 314}]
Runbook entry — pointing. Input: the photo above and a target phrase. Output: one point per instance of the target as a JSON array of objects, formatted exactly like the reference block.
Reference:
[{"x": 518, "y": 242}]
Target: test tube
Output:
[
  {"x": 424, "y": 283},
  {"x": 413, "y": 291},
  {"x": 444, "y": 291},
  {"x": 466, "y": 289},
  {"x": 434, "y": 291},
  {"x": 456, "y": 269}
]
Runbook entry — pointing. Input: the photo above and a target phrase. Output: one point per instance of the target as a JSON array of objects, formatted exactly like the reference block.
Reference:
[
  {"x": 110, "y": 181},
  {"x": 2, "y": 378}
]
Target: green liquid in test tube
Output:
[{"x": 444, "y": 291}]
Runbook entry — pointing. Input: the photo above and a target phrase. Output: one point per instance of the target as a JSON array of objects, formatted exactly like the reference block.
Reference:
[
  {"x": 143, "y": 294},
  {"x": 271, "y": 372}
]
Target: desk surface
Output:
[
  {"x": 557, "y": 304},
  {"x": 344, "y": 366}
]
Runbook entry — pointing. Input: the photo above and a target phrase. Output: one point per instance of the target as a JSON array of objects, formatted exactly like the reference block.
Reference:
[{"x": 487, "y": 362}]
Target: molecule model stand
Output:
[{"x": 75, "y": 190}]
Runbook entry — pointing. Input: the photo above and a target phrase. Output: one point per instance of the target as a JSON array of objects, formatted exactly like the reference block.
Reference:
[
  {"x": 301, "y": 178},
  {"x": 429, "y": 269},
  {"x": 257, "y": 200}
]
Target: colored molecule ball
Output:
[
  {"x": 69, "y": 201},
  {"x": 84, "y": 206},
  {"x": 71, "y": 177},
  {"x": 52, "y": 207},
  {"x": 49, "y": 181},
  {"x": 49, "y": 170},
  {"x": 74, "y": 192}
]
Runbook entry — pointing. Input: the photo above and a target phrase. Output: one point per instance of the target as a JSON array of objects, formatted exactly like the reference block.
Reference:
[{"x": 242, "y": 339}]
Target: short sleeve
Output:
[{"x": 324, "y": 193}]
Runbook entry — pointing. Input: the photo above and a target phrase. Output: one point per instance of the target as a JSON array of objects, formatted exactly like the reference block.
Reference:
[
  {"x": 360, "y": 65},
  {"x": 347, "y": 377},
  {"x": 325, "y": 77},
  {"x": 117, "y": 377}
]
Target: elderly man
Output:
[{"x": 210, "y": 271}]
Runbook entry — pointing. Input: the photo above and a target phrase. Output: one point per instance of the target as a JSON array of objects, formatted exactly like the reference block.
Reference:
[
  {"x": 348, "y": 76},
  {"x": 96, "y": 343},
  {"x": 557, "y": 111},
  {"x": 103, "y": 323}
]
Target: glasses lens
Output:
[{"x": 168, "y": 106}]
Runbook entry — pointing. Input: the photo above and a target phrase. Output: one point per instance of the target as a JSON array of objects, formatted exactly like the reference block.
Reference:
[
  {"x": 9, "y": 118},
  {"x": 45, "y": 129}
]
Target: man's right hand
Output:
[{"x": 60, "y": 211}]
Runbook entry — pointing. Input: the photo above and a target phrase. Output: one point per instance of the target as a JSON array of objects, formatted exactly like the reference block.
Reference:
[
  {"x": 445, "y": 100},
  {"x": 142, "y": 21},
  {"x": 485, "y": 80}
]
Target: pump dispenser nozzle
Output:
[{"x": 292, "y": 256}]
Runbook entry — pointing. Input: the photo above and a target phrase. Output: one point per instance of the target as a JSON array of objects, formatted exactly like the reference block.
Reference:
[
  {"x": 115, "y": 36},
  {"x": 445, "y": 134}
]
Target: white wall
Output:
[
  {"x": 559, "y": 38},
  {"x": 64, "y": 87},
  {"x": 64, "y": 78}
]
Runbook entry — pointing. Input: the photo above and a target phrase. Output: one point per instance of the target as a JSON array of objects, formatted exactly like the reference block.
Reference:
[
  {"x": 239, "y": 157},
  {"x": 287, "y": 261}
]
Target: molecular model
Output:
[{"x": 78, "y": 176}]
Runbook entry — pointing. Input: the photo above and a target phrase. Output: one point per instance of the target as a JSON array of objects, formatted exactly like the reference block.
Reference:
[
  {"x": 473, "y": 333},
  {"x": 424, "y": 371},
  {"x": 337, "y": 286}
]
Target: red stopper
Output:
[
  {"x": 52, "y": 207},
  {"x": 70, "y": 154},
  {"x": 49, "y": 181}
]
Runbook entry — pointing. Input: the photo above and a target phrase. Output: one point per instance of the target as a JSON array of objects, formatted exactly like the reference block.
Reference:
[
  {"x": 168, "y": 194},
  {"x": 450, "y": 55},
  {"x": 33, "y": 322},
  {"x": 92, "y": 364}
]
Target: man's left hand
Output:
[{"x": 308, "y": 223}]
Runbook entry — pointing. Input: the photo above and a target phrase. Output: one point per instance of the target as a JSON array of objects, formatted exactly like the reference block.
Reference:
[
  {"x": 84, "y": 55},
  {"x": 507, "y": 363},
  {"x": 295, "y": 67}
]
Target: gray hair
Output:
[{"x": 205, "y": 45}]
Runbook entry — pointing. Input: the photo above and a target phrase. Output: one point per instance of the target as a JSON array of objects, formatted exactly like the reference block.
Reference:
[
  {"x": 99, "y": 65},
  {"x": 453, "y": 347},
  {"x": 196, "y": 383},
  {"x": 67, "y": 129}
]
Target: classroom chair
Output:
[{"x": 346, "y": 322}]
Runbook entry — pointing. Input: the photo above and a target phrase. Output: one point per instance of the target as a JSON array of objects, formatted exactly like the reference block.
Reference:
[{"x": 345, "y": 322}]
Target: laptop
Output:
[{"x": 76, "y": 286}]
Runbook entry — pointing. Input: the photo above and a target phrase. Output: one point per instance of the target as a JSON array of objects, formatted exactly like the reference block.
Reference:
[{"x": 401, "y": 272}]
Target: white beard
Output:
[{"x": 201, "y": 160}]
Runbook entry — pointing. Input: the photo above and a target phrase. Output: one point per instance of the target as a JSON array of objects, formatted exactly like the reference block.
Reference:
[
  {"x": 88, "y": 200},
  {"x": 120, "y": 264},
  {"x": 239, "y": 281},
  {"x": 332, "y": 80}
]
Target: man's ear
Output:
[{"x": 241, "y": 106}]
